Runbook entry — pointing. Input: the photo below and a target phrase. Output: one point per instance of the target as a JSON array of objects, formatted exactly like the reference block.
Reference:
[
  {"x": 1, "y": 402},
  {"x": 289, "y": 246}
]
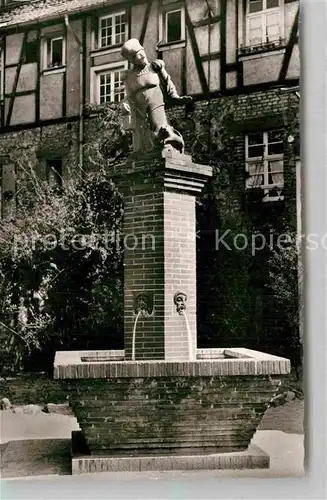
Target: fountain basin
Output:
[{"x": 140, "y": 408}]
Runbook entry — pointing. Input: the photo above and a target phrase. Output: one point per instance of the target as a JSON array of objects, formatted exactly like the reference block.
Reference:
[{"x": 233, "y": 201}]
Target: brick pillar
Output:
[{"x": 160, "y": 251}]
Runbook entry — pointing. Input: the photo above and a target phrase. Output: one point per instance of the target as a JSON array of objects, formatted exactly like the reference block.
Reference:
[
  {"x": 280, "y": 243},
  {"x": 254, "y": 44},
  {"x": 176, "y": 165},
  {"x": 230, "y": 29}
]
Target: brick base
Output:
[
  {"x": 83, "y": 463},
  {"x": 165, "y": 408}
]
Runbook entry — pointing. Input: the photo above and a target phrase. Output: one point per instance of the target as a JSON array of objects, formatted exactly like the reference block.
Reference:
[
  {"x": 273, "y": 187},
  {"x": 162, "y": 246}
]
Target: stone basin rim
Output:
[{"x": 238, "y": 362}]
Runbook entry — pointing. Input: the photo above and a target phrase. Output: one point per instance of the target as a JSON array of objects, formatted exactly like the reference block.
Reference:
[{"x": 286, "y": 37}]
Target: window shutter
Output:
[
  {"x": 272, "y": 26},
  {"x": 255, "y": 29}
]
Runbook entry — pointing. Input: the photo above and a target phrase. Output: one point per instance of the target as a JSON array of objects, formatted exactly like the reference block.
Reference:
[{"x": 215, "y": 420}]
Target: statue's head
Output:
[{"x": 133, "y": 51}]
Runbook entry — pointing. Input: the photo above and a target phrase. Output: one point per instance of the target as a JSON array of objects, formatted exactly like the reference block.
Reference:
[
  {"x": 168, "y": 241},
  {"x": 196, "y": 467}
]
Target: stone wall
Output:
[{"x": 28, "y": 149}]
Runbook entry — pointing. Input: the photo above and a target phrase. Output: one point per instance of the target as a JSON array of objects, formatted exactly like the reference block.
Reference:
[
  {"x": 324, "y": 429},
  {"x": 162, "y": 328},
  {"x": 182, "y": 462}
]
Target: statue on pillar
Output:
[{"x": 148, "y": 87}]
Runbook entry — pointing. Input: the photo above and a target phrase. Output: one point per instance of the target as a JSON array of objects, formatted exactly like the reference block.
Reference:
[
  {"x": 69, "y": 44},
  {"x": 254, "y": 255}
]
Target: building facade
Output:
[{"x": 239, "y": 59}]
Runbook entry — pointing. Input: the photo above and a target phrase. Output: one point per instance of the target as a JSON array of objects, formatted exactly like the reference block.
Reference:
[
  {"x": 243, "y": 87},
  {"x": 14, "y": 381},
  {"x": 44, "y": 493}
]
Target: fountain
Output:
[{"x": 161, "y": 403}]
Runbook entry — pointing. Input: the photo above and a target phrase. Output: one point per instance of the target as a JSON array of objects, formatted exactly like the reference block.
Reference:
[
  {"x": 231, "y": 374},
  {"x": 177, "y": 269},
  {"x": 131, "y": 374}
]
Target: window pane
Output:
[
  {"x": 255, "y": 172},
  {"x": 276, "y": 166},
  {"x": 106, "y": 23},
  {"x": 56, "y": 56},
  {"x": 255, "y": 168},
  {"x": 174, "y": 28},
  {"x": 105, "y": 87},
  {"x": 255, "y": 6},
  {"x": 106, "y": 32},
  {"x": 275, "y": 172},
  {"x": 255, "y": 138},
  {"x": 106, "y": 40},
  {"x": 255, "y": 151},
  {"x": 118, "y": 87},
  {"x": 120, "y": 27},
  {"x": 111, "y": 87},
  {"x": 272, "y": 3},
  {"x": 254, "y": 181}
]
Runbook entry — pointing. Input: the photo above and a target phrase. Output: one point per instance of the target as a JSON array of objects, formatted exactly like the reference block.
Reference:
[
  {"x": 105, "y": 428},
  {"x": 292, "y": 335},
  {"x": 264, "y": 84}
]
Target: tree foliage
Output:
[
  {"x": 61, "y": 261},
  {"x": 285, "y": 267}
]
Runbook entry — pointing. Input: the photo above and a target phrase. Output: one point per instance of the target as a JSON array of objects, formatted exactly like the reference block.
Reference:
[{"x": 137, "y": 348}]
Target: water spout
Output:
[
  {"x": 189, "y": 338},
  {"x": 134, "y": 334}
]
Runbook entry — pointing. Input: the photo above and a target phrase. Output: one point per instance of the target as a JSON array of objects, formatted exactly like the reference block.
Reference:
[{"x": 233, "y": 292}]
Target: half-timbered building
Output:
[{"x": 237, "y": 56}]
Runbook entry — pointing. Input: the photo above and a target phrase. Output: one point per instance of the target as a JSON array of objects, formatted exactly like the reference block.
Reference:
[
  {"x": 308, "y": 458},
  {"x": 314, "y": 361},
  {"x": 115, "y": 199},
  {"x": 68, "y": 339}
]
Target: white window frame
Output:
[
  {"x": 96, "y": 72},
  {"x": 114, "y": 34},
  {"x": 264, "y": 160},
  {"x": 163, "y": 25},
  {"x": 263, "y": 13},
  {"x": 182, "y": 11},
  {"x": 51, "y": 39}
]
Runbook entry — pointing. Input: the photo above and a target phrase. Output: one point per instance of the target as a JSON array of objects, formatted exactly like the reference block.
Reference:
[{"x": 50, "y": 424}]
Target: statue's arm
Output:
[{"x": 159, "y": 67}]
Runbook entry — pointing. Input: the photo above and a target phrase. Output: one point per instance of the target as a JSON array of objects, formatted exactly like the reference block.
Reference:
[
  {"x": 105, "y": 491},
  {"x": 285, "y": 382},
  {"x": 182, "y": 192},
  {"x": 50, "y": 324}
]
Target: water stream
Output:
[
  {"x": 189, "y": 338},
  {"x": 134, "y": 334}
]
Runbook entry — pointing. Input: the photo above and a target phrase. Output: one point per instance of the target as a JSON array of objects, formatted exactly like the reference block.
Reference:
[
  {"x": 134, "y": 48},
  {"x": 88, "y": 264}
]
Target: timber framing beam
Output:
[
  {"x": 19, "y": 67},
  {"x": 289, "y": 47}
]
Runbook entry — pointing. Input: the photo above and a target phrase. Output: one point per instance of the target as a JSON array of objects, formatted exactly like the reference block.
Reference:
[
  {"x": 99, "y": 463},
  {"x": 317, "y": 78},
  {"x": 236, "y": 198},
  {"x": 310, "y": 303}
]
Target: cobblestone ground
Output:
[{"x": 287, "y": 418}]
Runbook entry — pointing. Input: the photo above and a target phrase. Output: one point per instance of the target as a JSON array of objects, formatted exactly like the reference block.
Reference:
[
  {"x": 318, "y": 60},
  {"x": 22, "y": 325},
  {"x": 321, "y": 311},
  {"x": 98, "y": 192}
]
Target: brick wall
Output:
[
  {"x": 180, "y": 272},
  {"x": 144, "y": 272},
  {"x": 169, "y": 414},
  {"x": 160, "y": 253}
]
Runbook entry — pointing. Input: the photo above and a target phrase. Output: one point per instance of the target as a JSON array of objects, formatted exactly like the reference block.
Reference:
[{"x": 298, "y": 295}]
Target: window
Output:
[
  {"x": 112, "y": 30},
  {"x": 265, "y": 21},
  {"x": 31, "y": 52},
  {"x": 174, "y": 25},
  {"x": 264, "y": 163},
  {"x": 54, "y": 52},
  {"x": 108, "y": 84},
  {"x": 54, "y": 172},
  {"x": 111, "y": 87}
]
